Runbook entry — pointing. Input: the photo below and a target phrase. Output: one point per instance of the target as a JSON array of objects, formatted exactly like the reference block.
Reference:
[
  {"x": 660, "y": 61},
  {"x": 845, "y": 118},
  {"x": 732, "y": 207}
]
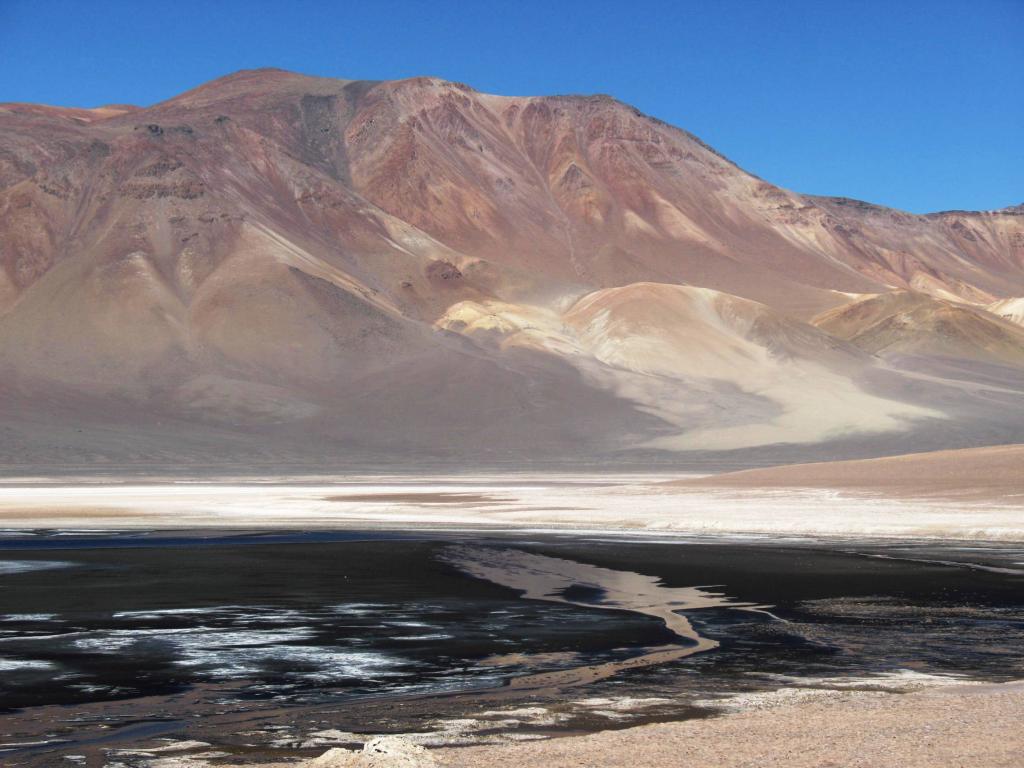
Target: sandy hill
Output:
[
  {"x": 995, "y": 472},
  {"x": 915, "y": 323}
]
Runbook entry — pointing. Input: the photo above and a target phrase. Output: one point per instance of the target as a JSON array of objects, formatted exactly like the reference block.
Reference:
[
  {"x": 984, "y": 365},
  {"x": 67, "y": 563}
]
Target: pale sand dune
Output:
[
  {"x": 994, "y": 472},
  {"x": 956, "y": 726},
  {"x": 719, "y": 371}
]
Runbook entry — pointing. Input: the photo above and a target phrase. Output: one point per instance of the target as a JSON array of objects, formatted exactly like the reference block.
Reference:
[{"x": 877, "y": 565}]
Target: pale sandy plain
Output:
[{"x": 978, "y": 726}]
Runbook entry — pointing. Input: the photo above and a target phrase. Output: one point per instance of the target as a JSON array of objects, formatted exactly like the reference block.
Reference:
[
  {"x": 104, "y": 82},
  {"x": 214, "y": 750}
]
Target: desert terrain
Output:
[{"x": 438, "y": 377}]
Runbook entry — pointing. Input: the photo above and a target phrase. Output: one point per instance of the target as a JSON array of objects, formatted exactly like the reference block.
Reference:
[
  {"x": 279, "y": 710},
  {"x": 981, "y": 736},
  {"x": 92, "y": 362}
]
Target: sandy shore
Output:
[
  {"x": 974, "y": 725},
  {"x": 991, "y": 474}
]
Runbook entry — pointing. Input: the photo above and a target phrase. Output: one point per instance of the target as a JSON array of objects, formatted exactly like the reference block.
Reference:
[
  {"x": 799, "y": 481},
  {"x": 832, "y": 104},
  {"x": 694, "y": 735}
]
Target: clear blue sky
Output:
[{"x": 918, "y": 105}]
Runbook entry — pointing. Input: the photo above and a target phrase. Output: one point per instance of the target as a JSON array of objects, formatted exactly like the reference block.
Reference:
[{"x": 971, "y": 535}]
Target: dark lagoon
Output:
[{"x": 280, "y": 644}]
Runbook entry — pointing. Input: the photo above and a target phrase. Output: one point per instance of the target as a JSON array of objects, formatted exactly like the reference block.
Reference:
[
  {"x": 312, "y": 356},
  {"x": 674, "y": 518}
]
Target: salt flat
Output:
[{"x": 636, "y": 503}]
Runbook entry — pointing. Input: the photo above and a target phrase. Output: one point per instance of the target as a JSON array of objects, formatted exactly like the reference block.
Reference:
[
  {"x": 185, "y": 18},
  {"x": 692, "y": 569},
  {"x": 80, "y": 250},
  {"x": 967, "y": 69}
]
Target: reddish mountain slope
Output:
[{"x": 277, "y": 255}]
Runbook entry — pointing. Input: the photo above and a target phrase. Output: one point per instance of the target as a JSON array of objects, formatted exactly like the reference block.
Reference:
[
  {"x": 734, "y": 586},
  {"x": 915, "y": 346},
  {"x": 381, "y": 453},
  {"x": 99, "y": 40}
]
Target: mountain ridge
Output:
[{"x": 256, "y": 72}]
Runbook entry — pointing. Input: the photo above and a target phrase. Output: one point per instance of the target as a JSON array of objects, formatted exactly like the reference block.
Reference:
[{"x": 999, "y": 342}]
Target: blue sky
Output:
[{"x": 918, "y": 105}]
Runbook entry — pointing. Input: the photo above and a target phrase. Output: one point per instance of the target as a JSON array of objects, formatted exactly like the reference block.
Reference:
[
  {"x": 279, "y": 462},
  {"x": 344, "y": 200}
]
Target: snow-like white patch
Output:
[
  {"x": 801, "y": 689},
  {"x": 17, "y": 665},
  {"x": 639, "y": 505},
  {"x": 622, "y": 704},
  {"x": 25, "y": 566}
]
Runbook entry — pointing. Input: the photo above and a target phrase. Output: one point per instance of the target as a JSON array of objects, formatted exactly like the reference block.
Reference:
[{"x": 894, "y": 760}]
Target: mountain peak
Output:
[{"x": 253, "y": 82}]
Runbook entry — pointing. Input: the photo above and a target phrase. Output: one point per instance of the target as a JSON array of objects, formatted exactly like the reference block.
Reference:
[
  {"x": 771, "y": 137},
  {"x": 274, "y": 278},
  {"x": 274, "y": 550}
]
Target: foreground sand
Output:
[
  {"x": 989, "y": 473},
  {"x": 978, "y": 726}
]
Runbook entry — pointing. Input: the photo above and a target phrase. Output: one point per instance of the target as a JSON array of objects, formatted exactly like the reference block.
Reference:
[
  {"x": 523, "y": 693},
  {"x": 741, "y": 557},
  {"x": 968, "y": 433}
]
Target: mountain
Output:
[
  {"x": 280, "y": 268},
  {"x": 911, "y": 323}
]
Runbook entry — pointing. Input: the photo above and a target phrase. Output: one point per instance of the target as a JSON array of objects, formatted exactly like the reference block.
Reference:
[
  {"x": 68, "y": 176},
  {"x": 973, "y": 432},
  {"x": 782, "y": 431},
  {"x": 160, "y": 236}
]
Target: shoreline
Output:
[{"x": 970, "y": 724}]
